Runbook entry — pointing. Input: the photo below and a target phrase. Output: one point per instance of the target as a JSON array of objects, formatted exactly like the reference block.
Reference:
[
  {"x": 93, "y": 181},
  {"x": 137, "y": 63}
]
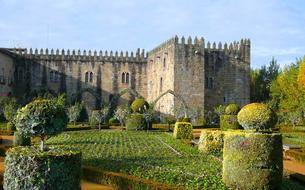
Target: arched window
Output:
[
  {"x": 56, "y": 76},
  {"x": 51, "y": 76},
  {"x": 211, "y": 82},
  {"x": 86, "y": 77},
  {"x": 123, "y": 78},
  {"x": 91, "y": 77},
  {"x": 127, "y": 78},
  {"x": 161, "y": 84}
]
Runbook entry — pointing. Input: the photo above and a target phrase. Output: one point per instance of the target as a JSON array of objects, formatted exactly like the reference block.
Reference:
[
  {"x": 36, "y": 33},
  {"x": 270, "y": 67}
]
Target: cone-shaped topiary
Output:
[
  {"x": 256, "y": 116},
  {"x": 139, "y": 105},
  {"x": 42, "y": 118},
  {"x": 232, "y": 109}
]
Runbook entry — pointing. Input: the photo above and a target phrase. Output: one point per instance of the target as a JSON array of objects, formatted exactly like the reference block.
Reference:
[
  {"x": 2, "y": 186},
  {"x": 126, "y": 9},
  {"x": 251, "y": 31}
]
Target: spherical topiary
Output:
[
  {"x": 41, "y": 118},
  {"x": 256, "y": 116},
  {"x": 232, "y": 109},
  {"x": 139, "y": 105},
  {"x": 135, "y": 121}
]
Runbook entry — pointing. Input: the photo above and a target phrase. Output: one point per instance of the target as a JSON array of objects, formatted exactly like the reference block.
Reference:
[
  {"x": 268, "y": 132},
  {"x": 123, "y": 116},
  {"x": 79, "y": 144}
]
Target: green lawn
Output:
[
  {"x": 297, "y": 138},
  {"x": 146, "y": 155},
  {"x": 153, "y": 155}
]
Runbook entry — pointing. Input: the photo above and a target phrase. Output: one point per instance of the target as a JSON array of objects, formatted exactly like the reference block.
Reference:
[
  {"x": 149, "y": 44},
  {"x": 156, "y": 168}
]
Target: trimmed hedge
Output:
[
  {"x": 229, "y": 122},
  {"x": 55, "y": 169},
  {"x": 256, "y": 116},
  {"x": 6, "y": 132},
  {"x": 297, "y": 155},
  {"x": 135, "y": 121},
  {"x": 21, "y": 140},
  {"x": 163, "y": 126},
  {"x": 123, "y": 181},
  {"x": 183, "y": 130},
  {"x": 232, "y": 109},
  {"x": 211, "y": 141},
  {"x": 253, "y": 161}
]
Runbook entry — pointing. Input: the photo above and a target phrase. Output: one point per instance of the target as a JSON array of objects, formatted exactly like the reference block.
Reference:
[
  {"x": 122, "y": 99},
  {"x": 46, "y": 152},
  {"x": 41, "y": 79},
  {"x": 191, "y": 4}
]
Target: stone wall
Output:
[{"x": 6, "y": 74}]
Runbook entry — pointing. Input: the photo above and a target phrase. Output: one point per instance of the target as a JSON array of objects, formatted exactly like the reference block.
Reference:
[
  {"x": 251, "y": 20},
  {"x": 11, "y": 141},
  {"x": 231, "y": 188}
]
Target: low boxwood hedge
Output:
[
  {"x": 163, "y": 126},
  {"x": 183, "y": 130},
  {"x": 253, "y": 161},
  {"x": 30, "y": 168}
]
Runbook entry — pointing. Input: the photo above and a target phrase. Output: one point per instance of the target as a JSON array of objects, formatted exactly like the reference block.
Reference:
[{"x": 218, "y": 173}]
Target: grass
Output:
[
  {"x": 149, "y": 155},
  {"x": 297, "y": 138},
  {"x": 153, "y": 155}
]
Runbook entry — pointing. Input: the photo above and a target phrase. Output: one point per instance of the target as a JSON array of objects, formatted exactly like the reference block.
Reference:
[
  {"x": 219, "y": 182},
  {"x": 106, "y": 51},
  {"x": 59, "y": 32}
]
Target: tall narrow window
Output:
[
  {"x": 56, "y": 76},
  {"x": 164, "y": 63},
  {"x": 206, "y": 82},
  {"x": 161, "y": 84},
  {"x": 51, "y": 76},
  {"x": 86, "y": 77},
  {"x": 20, "y": 75},
  {"x": 211, "y": 82},
  {"x": 123, "y": 77},
  {"x": 127, "y": 78},
  {"x": 91, "y": 77}
]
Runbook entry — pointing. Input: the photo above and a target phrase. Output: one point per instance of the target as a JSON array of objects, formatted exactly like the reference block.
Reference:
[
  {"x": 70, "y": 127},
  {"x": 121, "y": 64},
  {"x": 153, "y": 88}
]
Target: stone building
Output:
[{"x": 202, "y": 74}]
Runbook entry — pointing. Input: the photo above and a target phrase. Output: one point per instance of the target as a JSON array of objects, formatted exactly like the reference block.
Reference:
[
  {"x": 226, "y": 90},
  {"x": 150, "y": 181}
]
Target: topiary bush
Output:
[
  {"x": 21, "y": 140},
  {"x": 253, "y": 161},
  {"x": 183, "y": 130},
  {"x": 135, "y": 121},
  {"x": 29, "y": 168},
  {"x": 211, "y": 141},
  {"x": 232, "y": 109},
  {"x": 139, "y": 105},
  {"x": 256, "y": 116},
  {"x": 42, "y": 118},
  {"x": 113, "y": 121},
  {"x": 229, "y": 122}
]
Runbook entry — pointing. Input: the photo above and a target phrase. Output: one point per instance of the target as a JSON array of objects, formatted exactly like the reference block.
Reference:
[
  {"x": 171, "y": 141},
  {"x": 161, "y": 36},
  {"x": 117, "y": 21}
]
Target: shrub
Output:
[
  {"x": 186, "y": 120},
  {"x": 139, "y": 105},
  {"x": 121, "y": 113},
  {"x": 163, "y": 126},
  {"x": 135, "y": 121},
  {"x": 232, "y": 109},
  {"x": 42, "y": 118},
  {"x": 73, "y": 112},
  {"x": 211, "y": 141},
  {"x": 97, "y": 117},
  {"x": 200, "y": 122},
  {"x": 229, "y": 122},
  {"x": 256, "y": 116},
  {"x": 252, "y": 160},
  {"x": 183, "y": 130},
  {"x": 54, "y": 169},
  {"x": 10, "y": 126},
  {"x": 21, "y": 140},
  {"x": 113, "y": 121}
]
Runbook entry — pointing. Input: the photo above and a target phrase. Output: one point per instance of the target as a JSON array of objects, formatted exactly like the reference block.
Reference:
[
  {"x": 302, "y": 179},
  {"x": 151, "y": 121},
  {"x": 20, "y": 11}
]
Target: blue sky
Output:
[{"x": 276, "y": 27}]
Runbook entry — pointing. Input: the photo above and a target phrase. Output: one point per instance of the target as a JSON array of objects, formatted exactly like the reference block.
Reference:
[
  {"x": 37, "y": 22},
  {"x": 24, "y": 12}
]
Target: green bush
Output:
[
  {"x": 113, "y": 122},
  {"x": 139, "y": 105},
  {"x": 200, "y": 122},
  {"x": 10, "y": 126},
  {"x": 229, "y": 122},
  {"x": 21, "y": 140},
  {"x": 183, "y": 130},
  {"x": 135, "y": 121},
  {"x": 256, "y": 116},
  {"x": 42, "y": 118},
  {"x": 253, "y": 161},
  {"x": 232, "y": 109},
  {"x": 30, "y": 168},
  {"x": 186, "y": 120},
  {"x": 211, "y": 141}
]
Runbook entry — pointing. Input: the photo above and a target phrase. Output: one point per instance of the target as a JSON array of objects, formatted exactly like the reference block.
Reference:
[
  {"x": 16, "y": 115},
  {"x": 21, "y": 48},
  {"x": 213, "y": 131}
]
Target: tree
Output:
[
  {"x": 261, "y": 80},
  {"x": 42, "y": 118},
  {"x": 121, "y": 113},
  {"x": 74, "y": 112},
  {"x": 99, "y": 116}
]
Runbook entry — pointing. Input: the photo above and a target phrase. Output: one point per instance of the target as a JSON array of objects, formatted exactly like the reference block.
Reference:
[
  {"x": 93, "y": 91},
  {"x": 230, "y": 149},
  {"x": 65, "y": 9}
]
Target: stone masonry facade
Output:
[{"x": 203, "y": 74}]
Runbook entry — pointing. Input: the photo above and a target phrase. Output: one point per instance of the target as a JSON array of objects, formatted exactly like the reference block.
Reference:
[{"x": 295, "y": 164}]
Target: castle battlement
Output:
[{"x": 78, "y": 55}]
